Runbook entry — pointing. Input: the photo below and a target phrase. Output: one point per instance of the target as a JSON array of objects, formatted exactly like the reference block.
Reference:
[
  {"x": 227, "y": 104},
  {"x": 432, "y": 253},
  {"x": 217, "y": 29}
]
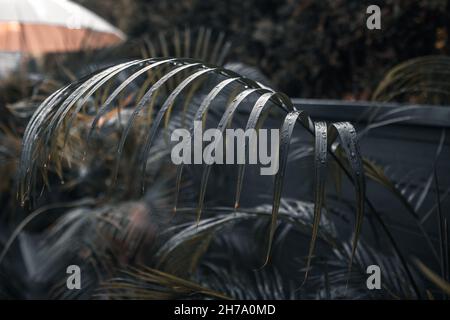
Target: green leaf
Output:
[
  {"x": 347, "y": 134},
  {"x": 223, "y": 124},
  {"x": 320, "y": 167},
  {"x": 285, "y": 138},
  {"x": 255, "y": 121}
]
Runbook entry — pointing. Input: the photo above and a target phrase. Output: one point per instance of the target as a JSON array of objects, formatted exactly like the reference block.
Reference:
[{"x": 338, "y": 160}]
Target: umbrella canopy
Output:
[{"x": 39, "y": 26}]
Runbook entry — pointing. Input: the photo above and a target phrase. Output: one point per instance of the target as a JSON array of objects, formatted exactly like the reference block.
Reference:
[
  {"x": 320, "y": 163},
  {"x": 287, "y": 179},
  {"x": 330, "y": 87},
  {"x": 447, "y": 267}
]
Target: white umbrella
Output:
[{"x": 39, "y": 26}]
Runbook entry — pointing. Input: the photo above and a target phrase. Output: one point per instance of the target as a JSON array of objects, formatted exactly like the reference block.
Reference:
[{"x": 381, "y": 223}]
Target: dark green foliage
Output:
[{"x": 317, "y": 49}]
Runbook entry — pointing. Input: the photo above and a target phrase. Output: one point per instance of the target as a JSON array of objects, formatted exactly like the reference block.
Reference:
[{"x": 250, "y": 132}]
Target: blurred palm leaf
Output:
[
  {"x": 146, "y": 283},
  {"x": 441, "y": 283},
  {"x": 202, "y": 44},
  {"x": 395, "y": 280},
  {"x": 421, "y": 80}
]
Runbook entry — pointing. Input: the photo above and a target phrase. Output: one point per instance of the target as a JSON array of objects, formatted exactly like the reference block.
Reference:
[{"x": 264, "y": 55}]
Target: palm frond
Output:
[
  {"x": 395, "y": 283},
  {"x": 201, "y": 44},
  {"x": 147, "y": 283},
  {"x": 441, "y": 283},
  {"x": 56, "y": 118},
  {"x": 421, "y": 80}
]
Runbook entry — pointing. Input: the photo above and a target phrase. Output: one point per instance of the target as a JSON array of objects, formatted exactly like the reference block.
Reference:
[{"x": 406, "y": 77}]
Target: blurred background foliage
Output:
[{"x": 310, "y": 49}]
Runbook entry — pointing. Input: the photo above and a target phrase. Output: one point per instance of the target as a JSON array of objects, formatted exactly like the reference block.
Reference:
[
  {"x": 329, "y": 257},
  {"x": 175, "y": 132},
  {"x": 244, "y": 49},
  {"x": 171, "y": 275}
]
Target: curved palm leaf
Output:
[{"x": 60, "y": 112}]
